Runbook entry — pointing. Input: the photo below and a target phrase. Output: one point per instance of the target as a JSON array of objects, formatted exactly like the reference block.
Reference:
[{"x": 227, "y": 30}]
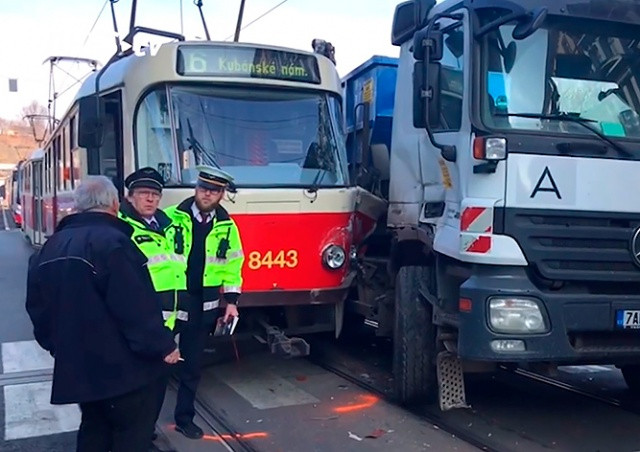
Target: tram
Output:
[
  {"x": 270, "y": 116},
  {"x": 13, "y": 194}
]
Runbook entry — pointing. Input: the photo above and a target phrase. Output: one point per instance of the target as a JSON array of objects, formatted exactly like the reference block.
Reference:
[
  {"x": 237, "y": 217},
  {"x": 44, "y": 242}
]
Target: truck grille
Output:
[{"x": 575, "y": 246}]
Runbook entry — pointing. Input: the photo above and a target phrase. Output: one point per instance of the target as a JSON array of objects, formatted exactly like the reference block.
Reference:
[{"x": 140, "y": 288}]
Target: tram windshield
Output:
[{"x": 263, "y": 137}]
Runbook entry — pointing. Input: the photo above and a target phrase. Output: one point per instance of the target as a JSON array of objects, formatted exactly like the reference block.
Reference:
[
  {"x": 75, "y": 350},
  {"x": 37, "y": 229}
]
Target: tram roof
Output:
[
  {"x": 36, "y": 154},
  {"x": 159, "y": 65}
]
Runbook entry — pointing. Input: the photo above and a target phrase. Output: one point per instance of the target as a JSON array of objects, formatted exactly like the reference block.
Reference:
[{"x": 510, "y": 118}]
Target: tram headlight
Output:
[
  {"x": 516, "y": 315},
  {"x": 334, "y": 257}
]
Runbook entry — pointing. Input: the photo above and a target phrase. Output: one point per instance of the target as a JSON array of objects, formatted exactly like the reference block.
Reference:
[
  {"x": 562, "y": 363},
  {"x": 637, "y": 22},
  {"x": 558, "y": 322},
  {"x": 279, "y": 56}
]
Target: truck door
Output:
[{"x": 453, "y": 126}]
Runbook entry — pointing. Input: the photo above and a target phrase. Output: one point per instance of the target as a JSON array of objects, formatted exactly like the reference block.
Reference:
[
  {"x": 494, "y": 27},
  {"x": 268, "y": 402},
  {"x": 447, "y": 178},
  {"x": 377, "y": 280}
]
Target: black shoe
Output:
[{"x": 190, "y": 430}]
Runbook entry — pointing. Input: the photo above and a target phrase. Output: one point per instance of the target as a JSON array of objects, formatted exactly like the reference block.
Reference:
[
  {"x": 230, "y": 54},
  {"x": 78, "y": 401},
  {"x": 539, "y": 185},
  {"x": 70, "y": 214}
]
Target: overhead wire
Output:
[
  {"x": 258, "y": 18},
  {"x": 80, "y": 80},
  {"x": 95, "y": 22}
]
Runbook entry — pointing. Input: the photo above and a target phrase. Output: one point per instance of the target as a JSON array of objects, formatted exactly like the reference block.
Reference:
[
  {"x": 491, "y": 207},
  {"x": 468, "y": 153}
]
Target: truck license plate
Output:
[{"x": 628, "y": 319}]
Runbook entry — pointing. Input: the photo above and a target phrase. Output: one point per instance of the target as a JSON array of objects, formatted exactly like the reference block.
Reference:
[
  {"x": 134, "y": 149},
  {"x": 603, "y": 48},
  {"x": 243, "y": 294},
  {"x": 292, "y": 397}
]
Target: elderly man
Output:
[
  {"x": 214, "y": 264},
  {"x": 94, "y": 309}
]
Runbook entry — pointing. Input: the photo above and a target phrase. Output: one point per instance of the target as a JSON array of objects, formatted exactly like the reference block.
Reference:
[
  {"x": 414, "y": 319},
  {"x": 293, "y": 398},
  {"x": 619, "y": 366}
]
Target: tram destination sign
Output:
[{"x": 247, "y": 62}]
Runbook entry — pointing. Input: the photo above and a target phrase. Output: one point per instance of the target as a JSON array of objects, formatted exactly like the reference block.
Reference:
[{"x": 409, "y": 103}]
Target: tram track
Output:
[
  {"x": 224, "y": 432},
  {"x": 342, "y": 362},
  {"x": 432, "y": 418},
  {"x": 550, "y": 381},
  {"x": 488, "y": 425}
]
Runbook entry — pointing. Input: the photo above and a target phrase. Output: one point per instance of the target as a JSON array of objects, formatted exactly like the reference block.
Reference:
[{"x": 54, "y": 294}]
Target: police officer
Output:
[
  {"x": 211, "y": 241},
  {"x": 153, "y": 234}
]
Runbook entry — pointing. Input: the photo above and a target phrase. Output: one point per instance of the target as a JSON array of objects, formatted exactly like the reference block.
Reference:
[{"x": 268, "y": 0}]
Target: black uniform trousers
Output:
[
  {"x": 163, "y": 382},
  {"x": 192, "y": 342},
  {"x": 123, "y": 423}
]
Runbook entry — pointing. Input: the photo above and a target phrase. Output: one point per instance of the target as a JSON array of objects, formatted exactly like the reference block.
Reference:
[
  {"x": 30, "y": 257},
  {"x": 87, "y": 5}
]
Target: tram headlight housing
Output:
[
  {"x": 334, "y": 257},
  {"x": 516, "y": 315}
]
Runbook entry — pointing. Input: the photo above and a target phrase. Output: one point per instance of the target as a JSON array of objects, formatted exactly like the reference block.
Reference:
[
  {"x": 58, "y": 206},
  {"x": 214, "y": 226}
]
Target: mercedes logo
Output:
[{"x": 635, "y": 247}]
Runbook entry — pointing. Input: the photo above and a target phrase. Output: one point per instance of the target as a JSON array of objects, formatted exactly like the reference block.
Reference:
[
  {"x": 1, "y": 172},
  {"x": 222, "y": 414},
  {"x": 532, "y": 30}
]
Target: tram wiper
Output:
[
  {"x": 315, "y": 184},
  {"x": 197, "y": 148},
  {"x": 584, "y": 122}
]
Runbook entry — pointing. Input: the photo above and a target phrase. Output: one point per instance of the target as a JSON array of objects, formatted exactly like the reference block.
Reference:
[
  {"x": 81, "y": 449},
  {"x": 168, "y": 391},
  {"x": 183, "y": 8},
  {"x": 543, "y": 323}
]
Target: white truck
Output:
[{"x": 512, "y": 175}]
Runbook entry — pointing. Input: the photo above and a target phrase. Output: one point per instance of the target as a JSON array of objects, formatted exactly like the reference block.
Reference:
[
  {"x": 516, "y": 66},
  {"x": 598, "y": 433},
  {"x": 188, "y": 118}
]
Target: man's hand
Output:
[
  {"x": 172, "y": 357},
  {"x": 230, "y": 311}
]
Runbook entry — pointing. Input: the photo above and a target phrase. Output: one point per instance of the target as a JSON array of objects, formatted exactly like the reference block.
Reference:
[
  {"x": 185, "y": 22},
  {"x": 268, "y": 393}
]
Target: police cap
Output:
[
  {"x": 144, "y": 178},
  {"x": 212, "y": 178}
]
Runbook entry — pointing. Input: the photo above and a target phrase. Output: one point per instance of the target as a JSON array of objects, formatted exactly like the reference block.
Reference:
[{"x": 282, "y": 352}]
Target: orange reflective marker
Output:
[
  {"x": 225, "y": 437},
  {"x": 368, "y": 401}
]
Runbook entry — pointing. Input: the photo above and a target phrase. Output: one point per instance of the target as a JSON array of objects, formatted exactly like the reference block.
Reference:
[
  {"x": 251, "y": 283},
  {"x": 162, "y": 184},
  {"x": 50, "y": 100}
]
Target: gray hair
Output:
[{"x": 95, "y": 193}]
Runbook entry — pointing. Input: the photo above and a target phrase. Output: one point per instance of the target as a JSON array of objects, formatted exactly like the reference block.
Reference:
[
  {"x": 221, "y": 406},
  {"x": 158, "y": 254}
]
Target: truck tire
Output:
[
  {"x": 631, "y": 376},
  {"x": 414, "y": 339}
]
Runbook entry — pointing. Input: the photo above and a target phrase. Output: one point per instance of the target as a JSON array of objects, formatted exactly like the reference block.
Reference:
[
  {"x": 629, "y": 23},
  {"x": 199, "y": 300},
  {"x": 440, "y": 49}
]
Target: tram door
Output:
[{"x": 38, "y": 203}]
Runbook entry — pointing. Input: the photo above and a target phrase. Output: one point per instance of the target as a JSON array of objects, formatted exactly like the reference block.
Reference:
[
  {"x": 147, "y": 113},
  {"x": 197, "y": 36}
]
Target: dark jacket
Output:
[{"x": 93, "y": 307}]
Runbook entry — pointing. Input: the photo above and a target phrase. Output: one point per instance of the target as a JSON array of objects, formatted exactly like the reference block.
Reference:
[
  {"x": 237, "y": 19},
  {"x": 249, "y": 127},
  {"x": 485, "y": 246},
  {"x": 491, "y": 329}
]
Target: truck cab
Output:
[{"x": 513, "y": 220}]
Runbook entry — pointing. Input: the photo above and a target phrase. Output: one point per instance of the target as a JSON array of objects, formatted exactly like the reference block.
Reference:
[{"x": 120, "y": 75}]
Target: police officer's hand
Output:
[
  {"x": 172, "y": 357},
  {"x": 230, "y": 311}
]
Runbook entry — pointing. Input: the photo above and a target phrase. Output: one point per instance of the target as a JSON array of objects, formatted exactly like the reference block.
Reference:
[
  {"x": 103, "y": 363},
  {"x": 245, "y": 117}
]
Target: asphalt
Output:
[{"x": 15, "y": 327}]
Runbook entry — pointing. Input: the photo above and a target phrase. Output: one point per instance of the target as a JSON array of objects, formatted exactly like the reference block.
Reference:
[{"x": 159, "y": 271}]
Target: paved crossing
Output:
[{"x": 26, "y": 391}]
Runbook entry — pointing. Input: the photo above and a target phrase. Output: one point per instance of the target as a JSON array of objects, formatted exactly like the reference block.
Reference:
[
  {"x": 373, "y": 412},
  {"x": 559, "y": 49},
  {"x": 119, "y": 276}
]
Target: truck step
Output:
[{"x": 451, "y": 392}]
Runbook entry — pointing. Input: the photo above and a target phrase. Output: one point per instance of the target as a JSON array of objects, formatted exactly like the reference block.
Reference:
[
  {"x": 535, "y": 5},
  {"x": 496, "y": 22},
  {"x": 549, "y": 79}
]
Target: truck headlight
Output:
[
  {"x": 516, "y": 315},
  {"x": 334, "y": 257}
]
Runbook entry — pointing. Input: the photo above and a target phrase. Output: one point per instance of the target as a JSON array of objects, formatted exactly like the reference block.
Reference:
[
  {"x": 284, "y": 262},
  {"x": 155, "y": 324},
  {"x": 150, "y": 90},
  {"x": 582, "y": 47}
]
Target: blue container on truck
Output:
[{"x": 374, "y": 81}]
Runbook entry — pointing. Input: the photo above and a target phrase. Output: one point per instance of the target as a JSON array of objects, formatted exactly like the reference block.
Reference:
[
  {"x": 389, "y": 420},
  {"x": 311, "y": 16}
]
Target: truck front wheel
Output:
[{"x": 414, "y": 338}]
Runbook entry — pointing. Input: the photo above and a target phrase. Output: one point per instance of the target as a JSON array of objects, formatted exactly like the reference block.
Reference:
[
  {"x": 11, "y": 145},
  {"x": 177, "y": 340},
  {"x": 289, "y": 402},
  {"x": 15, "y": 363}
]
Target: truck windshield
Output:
[
  {"x": 263, "y": 137},
  {"x": 566, "y": 69}
]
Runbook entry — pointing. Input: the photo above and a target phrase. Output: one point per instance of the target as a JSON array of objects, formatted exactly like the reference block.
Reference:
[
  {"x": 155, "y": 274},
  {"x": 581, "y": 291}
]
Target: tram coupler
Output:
[
  {"x": 451, "y": 391},
  {"x": 286, "y": 347}
]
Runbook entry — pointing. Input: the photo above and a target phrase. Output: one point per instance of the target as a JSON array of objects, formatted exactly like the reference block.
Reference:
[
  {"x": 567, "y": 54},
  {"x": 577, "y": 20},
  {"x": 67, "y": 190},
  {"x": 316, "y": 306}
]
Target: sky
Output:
[{"x": 358, "y": 29}]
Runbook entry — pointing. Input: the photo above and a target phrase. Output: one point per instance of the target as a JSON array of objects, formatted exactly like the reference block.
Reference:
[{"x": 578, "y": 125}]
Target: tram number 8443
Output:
[{"x": 271, "y": 259}]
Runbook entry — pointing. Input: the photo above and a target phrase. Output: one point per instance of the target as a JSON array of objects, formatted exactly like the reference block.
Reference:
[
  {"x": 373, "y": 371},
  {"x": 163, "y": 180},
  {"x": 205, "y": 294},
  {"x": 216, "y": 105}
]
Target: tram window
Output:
[
  {"x": 66, "y": 182},
  {"x": 73, "y": 160},
  {"x": 75, "y": 166},
  {"x": 154, "y": 144},
  {"x": 47, "y": 170},
  {"x": 72, "y": 133},
  {"x": 59, "y": 154}
]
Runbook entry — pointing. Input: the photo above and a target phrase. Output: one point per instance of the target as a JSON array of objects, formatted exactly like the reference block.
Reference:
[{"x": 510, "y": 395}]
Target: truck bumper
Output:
[{"x": 581, "y": 326}]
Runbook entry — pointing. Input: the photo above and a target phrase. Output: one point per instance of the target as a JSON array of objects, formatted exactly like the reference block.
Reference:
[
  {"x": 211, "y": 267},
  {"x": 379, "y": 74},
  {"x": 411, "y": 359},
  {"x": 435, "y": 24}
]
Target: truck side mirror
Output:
[
  {"x": 90, "y": 125},
  {"x": 419, "y": 87},
  {"x": 426, "y": 94},
  {"x": 530, "y": 24},
  {"x": 428, "y": 41},
  {"x": 427, "y": 50},
  {"x": 433, "y": 94}
]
